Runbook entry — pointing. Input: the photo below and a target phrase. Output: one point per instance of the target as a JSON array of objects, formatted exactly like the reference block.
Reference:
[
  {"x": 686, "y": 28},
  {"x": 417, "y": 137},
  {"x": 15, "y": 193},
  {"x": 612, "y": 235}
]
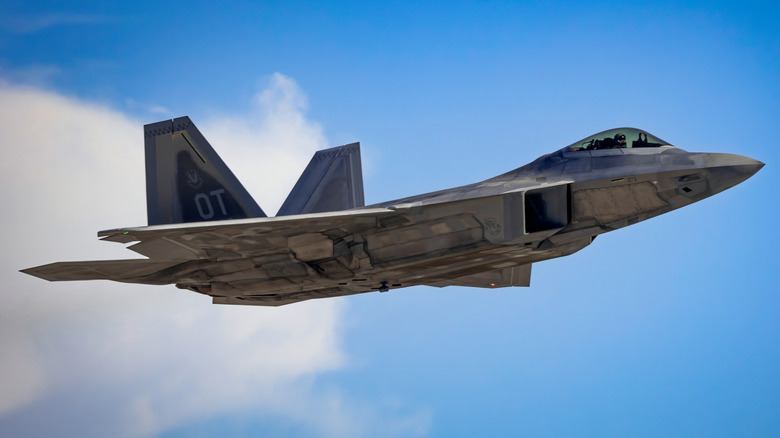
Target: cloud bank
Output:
[
  {"x": 108, "y": 359},
  {"x": 270, "y": 146}
]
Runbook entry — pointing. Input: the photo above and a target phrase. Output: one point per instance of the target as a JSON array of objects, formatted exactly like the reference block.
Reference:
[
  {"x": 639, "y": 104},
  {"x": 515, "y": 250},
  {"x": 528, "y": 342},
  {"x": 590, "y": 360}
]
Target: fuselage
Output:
[{"x": 551, "y": 207}]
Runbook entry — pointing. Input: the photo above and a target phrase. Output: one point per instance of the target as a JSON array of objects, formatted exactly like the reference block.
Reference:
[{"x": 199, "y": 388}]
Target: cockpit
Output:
[
  {"x": 637, "y": 146},
  {"x": 620, "y": 138}
]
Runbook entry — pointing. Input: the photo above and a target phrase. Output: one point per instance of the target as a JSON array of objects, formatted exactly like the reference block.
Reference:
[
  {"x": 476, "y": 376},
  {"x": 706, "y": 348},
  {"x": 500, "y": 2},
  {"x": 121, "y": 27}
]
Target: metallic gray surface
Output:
[
  {"x": 486, "y": 234},
  {"x": 186, "y": 181},
  {"x": 332, "y": 181}
]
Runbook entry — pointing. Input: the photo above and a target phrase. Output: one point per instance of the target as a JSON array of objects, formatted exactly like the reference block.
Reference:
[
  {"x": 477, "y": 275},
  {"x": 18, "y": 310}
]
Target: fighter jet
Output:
[{"x": 206, "y": 234}]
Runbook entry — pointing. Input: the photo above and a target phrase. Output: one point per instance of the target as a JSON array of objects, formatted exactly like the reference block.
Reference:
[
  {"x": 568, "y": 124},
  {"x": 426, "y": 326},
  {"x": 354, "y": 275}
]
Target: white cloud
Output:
[
  {"x": 142, "y": 359},
  {"x": 275, "y": 133},
  {"x": 158, "y": 110},
  {"x": 111, "y": 359}
]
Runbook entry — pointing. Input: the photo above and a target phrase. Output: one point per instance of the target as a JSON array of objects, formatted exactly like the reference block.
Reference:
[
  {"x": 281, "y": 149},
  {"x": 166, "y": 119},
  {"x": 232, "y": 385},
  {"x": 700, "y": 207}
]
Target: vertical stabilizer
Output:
[
  {"x": 332, "y": 181},
  {"x": 186, "y": 181}
]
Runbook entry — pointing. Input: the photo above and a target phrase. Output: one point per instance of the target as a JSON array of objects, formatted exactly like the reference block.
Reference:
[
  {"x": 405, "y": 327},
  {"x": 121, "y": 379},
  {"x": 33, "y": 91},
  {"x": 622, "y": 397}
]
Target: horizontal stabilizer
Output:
[
  {"x": 332, "y": 181},
  {"x": 186, "y": 181},
  {"x": 118, "y": 270}
]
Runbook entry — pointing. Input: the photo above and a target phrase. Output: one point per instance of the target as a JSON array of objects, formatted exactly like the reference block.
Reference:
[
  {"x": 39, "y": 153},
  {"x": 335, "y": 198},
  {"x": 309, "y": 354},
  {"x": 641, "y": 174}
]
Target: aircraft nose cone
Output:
[{"x": 729, "y": 170}]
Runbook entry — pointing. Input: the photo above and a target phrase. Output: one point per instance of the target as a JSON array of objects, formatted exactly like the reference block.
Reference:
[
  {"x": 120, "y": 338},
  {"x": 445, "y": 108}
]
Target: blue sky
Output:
[{"x": 665, "y": 328}]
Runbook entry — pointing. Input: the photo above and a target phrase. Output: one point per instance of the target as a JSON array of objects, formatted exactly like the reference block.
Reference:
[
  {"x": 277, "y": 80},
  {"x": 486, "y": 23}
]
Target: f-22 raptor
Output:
[{"x": 206, "y": 234}]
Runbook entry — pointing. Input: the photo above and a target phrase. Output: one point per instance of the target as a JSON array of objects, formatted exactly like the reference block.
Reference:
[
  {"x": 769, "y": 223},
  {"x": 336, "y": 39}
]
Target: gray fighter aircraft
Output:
[{"x": 208, "y": 235}]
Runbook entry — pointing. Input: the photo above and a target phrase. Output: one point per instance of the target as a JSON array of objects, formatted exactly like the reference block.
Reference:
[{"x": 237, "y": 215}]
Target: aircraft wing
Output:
[
  {"x": 282, "y": 260},
  {"x": 226, "y": 255},
  {"x": 246, "y": 237}
]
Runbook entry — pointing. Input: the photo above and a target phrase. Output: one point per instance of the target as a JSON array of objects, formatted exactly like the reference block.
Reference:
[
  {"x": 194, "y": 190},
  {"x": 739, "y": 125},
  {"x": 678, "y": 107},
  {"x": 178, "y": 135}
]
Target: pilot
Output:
[{"x": 620, "y": 139}]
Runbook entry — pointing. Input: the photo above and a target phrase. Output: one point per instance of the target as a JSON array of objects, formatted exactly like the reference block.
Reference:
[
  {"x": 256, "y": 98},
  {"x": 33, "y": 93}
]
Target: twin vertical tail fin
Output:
[
  {"x": 186, "y": 181},
  {"x": 332, "y": 181}
]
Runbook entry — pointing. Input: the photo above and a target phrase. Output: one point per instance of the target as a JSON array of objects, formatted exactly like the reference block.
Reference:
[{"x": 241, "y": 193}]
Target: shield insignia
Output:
[{"x": 193, "y": 179}]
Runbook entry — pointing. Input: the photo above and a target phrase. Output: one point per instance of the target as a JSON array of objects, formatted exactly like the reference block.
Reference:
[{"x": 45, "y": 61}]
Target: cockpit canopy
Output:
[{"x": 620, "y": 138}]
